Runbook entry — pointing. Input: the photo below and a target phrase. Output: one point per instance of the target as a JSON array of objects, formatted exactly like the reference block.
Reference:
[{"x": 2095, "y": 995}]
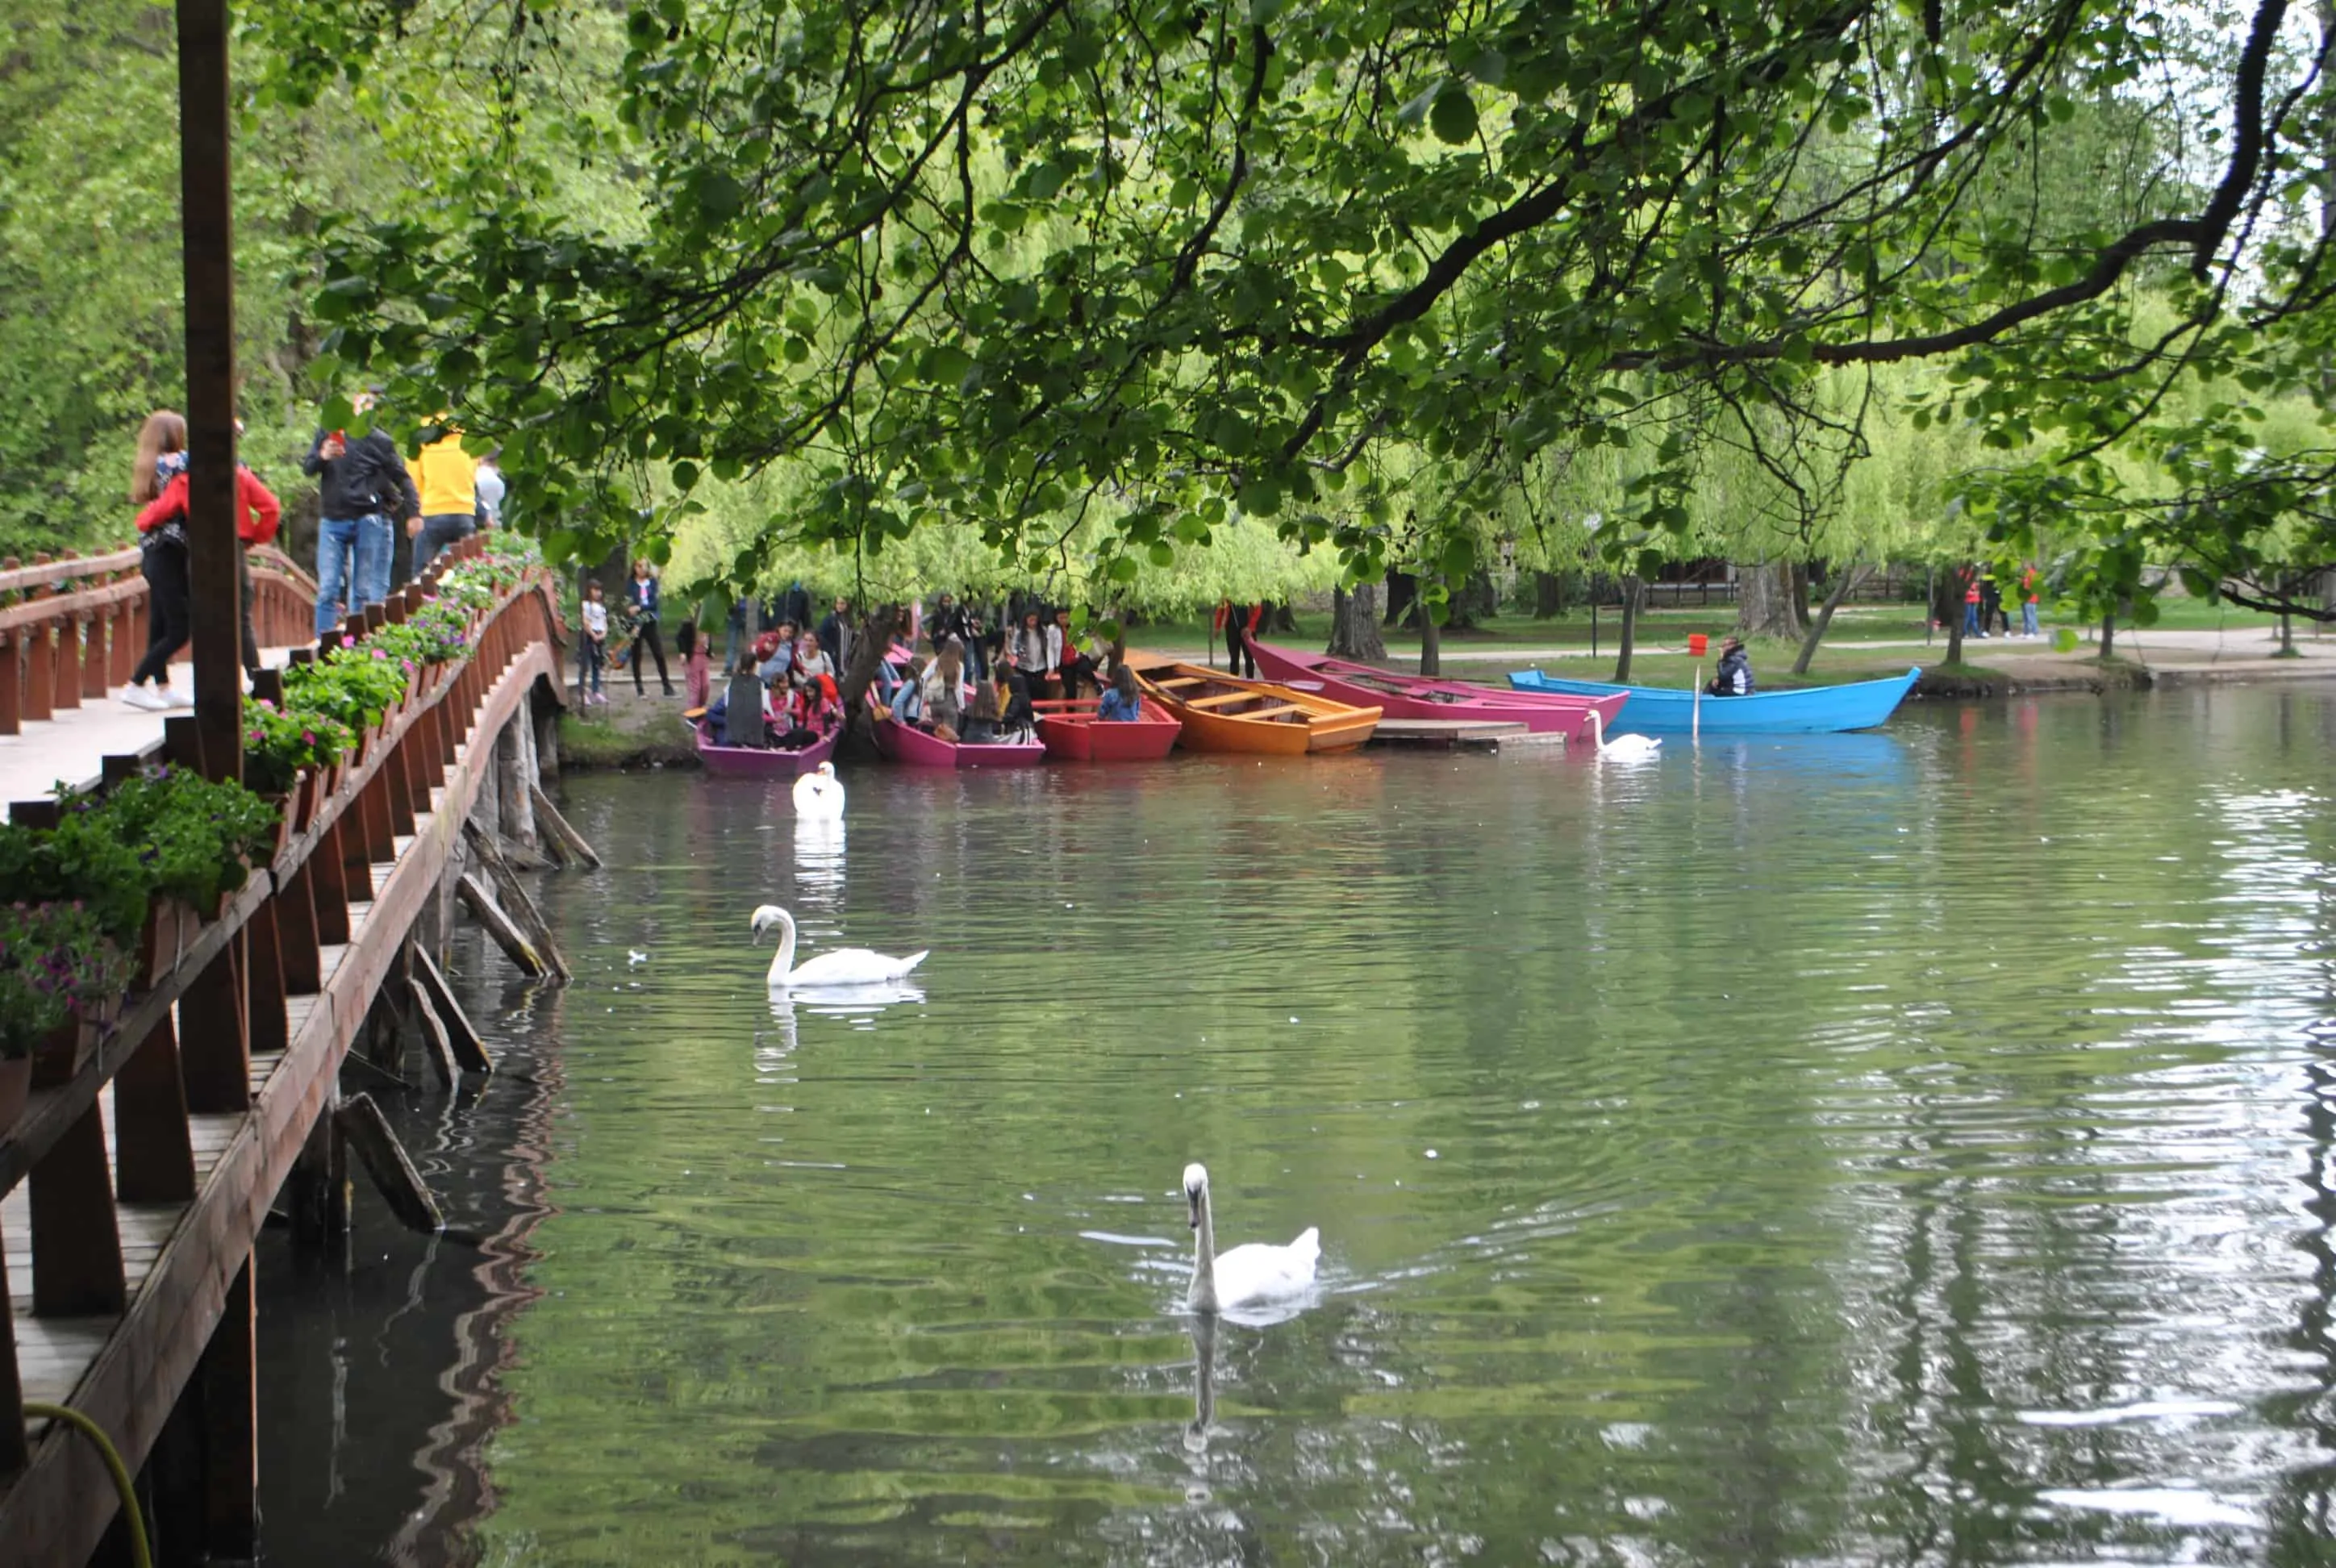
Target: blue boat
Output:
[{"x": 1810, "y": 710}]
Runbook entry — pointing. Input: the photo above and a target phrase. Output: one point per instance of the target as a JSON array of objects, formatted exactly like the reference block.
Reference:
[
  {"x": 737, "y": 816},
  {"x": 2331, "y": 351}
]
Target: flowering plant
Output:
[
  {"x": 56, "y": 964},
  {"x": 278, "y": 741},
  {"x": 195, "y": 837},
  {"x": 347, "y": 685}
]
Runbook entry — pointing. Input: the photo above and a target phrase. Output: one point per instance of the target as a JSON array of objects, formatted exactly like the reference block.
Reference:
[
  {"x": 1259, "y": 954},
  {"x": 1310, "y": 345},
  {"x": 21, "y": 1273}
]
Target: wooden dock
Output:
[
  {"x": 1458, "y": 734},
  {"x": 130, "y": 1194}
]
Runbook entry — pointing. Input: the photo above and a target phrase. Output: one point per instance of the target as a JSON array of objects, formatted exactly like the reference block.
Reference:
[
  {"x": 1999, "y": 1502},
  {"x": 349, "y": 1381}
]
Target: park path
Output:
[{"x": 71, "y": 746}]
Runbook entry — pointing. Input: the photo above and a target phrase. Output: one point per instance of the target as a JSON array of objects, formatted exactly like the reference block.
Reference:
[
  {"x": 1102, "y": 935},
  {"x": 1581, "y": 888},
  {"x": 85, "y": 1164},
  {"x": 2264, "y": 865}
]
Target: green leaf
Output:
[
  {"x": 1459, "y": 559},
  {"x": 1454, "y": 117}
]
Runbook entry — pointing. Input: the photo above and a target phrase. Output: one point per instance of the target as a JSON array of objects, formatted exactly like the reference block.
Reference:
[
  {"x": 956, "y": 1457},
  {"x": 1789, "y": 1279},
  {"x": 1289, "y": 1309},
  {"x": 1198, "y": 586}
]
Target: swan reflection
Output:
[
  {"x": 1203, "y": 1327},
  {"x": 819, "y": 862}
]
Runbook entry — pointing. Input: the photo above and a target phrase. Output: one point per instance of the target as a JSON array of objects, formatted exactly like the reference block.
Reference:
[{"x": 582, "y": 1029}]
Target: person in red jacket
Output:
[
  {"x": 258, "y": 517},
  {"x": 1240, "y": 623}
]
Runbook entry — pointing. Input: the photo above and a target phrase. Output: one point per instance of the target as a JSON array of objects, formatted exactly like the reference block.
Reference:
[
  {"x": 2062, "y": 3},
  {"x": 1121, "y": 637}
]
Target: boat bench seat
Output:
[
  {"x": 1218, "y": 699},
  {"x": 1274, "y": 712},
  {"x": 1181, "y": 680}
]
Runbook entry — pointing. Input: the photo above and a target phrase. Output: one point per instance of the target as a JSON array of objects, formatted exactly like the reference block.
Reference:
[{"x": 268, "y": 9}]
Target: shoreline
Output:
[{"x": 645, "y": 734}]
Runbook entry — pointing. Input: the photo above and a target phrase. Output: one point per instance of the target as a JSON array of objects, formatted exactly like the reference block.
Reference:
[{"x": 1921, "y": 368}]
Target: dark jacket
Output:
[
  {"x": 642, "y": 597},
  {"x": 367, "y": 478},
  {"x": 1734, "y": 676},
  {"x": 1017, "y": 714},
  {"x": 835, "y": 640}
]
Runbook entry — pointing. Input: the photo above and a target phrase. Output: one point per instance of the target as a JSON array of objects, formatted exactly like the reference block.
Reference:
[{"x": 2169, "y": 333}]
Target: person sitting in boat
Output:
[
  {"x": 981, "y": 714},
  {"x": 1734, "y": 676},
  {"x": 777, "y": 652},
  {"x": 1121, "y": 702},
  {"x": 945, "y": 691},
  {"x": 810, "y": 662},
  {"x": 1016, "y": 719},
  {"x": 901, "y": 690}
]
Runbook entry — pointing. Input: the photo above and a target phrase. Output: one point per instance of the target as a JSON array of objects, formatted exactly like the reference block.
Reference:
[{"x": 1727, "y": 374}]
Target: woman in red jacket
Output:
[
  {"x": 1239, "y": 622},
  {"x": 257, "y": 516}
]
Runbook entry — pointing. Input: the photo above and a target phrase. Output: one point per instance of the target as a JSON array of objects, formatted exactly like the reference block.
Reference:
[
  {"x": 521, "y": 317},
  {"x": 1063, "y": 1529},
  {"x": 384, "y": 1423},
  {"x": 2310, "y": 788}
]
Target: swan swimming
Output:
[
  {"x": 843, "y": 966},
  {"x": 1622, "y": 748},
  {"x": 818, "y": 796},
  {"x": 1254, "y": 1272}
]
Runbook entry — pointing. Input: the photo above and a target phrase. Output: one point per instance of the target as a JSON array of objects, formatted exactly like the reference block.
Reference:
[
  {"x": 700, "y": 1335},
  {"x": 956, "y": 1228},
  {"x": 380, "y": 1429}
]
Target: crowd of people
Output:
[
  {"x": 946, "y": 671},
  {"x": 366, "y": 487},
  {"x": 1984, "y": 612}
]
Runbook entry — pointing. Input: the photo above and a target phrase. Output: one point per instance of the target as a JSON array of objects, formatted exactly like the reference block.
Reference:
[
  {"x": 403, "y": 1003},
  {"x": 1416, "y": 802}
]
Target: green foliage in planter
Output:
[
  {"x": 277, "y": 742},
  {"x": 56, "y": 963},
  {"x": 347, "y": 685},
  {"x": 195, "y": 837},
  {"x": 83, "y": 860}
]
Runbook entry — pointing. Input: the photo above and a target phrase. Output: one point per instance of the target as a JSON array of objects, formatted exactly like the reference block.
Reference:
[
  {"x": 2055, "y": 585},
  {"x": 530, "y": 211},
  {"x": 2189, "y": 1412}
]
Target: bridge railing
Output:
[
  {"x": 289, "y": 969},
  {"x": 72, "y": 626}
]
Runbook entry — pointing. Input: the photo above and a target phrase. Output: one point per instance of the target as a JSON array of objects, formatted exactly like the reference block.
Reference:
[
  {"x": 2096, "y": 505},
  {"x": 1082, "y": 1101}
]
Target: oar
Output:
[{"x": 1697, "y": 643}]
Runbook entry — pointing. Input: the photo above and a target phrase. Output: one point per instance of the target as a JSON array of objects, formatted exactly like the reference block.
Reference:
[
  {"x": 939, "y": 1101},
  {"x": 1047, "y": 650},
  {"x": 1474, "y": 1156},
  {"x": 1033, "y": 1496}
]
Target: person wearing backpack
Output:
[{"x": 364, "y": 487}]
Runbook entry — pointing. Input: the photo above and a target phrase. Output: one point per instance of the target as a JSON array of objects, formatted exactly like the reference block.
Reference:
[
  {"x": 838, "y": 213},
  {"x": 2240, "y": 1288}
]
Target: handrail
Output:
[{"x": 66, "y": 567}]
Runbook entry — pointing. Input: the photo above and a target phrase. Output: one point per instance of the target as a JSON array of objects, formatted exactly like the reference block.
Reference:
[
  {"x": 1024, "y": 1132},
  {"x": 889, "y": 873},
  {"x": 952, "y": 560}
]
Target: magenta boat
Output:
[
  {"x": 903, "y": 743},
  {"x": 1419, "y": 696},
  {"x": 761, "y": 762}
]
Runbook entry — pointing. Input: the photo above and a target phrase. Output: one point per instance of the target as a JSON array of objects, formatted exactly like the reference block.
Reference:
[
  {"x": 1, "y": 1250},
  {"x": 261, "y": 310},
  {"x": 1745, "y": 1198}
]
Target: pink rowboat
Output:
[
  {"x": 761, "y": 762},
  {"x": 1069, "y": 730},
  {"x": 904, "y": 742},
  {"x": 1419, "y": 696}
]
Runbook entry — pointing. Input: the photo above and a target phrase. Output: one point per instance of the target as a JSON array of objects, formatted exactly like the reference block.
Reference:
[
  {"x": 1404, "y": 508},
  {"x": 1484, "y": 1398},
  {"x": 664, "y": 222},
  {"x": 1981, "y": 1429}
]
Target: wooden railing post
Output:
[
  {"x": 76, "y": 1240},
  {"x": 270, "y": 1027},
  {"x": 93, "y": 654},
  {"x": 14, "y": 1452},
  {"x": 215, "y": 1057},
  {"x": 12, "y": 685},
  {"x": 153, "y": 1151}
]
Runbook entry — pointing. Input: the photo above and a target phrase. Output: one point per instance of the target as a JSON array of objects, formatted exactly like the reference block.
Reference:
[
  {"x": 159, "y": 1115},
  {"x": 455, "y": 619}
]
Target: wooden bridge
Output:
[{"x": 131, "y": 1192}]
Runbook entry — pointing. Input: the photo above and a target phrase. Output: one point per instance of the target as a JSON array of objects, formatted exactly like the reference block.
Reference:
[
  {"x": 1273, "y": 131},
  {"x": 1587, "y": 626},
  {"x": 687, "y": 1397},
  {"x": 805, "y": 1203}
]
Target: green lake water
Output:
[{"x": 1909, "y": 1148}]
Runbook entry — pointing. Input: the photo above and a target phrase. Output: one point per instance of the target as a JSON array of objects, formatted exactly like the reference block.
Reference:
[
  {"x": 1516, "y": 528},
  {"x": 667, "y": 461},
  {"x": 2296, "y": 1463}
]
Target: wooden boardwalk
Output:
[
  {"x": 132, "y": 1289},
  {"x": 1458, "y": 734}
]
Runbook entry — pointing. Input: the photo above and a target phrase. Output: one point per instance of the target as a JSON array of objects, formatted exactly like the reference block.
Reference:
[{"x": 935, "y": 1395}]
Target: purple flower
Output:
[
  {"x": 309, "y": 737},
  {"x": 348, "y": 642}
]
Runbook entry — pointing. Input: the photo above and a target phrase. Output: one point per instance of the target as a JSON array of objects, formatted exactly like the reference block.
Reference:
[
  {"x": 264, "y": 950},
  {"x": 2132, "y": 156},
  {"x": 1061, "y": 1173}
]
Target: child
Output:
[
  {"x": 593, "y": 651},
  {"x": 696, "y": 665}
]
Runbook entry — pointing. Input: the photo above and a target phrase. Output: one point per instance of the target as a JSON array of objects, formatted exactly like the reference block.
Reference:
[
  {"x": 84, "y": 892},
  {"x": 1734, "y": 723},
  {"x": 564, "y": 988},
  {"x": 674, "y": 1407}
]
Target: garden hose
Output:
[{"x": 36, "y": 1409}]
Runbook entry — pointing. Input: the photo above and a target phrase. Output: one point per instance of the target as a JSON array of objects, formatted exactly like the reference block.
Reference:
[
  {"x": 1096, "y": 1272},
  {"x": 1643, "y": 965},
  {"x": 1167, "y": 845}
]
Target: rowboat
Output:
[
  {"x": 1070, "y": 731},
  {"x": 906, "y": 743},
  {"x": 1418, "y": 696},
  {"x": 1812, "y": 710},
  {"x": 760, "y": 762},
  {"x": 1226, "y": 713}
]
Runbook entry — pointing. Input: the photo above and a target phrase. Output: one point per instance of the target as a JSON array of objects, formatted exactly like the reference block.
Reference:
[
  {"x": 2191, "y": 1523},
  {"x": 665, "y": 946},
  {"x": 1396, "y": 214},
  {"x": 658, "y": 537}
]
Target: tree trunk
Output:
[
  {"x": 1844, "y": 585},
  {"x": 875, "y": 635},
  {"x": 1799, "y": 573},
  {"x": 1431, "y": 642},
  {"x": 1948, "y": 611},
  {"x": 1629, "y": 627},
  {"x": 1355, "y": 624},
  {"x": 1473, "y": 601},
  {"x": 1764, "y": 601},
  {"x": 2108, "y": 634},
  {"x": 1549, "y": 595},
  {"x": 1403, "y": 596},
  {"x": 1281, "y": 618}
]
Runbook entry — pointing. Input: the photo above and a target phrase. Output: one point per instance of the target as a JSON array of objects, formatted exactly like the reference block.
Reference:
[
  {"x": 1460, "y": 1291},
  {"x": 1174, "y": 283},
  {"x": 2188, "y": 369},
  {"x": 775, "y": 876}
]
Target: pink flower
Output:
[
  {"x": 348, "y": 642},
  {"x": 309, "y": 737}
]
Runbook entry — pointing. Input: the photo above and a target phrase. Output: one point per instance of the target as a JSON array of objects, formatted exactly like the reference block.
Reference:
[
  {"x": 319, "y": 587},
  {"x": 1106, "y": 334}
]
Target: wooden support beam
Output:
[
  {"x": 229, "y": 1377},
  {"x": 500, "y": 926},
  {"x": 215, "y": 1056},
  {"x": 512, "y": 895},
  {"x": 384, "y": 1160},
  {"x": 436, "y": 1049},
  {"x": 470, "y": 1047},
  {"x": 76, "y": 1242},
  {"x": 317, "y": 1192},
  {"x": 547, "y": 814},
  {"x": 268, "y": 1028},
  {"x": 154, "y": 1155},
  {"x": 14, "y": 1452}
]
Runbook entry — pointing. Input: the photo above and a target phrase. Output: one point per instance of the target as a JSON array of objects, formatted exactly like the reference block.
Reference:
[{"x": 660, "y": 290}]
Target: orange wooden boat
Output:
[{"x": 1226, "y": 713}]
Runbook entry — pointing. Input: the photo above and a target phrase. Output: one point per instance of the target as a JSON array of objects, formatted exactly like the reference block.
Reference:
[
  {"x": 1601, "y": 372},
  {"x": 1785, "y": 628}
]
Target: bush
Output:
[{"x": 56, "y": 963}]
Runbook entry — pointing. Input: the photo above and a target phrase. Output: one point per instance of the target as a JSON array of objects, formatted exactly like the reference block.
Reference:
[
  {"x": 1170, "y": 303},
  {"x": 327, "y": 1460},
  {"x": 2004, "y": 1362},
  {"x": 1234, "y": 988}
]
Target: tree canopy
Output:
[{"x": 1121, "y": 274}]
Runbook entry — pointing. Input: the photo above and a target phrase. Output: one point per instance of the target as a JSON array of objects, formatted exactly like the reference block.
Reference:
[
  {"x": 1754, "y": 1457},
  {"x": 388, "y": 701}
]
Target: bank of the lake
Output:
[{"x": 1900, "y": 1147}]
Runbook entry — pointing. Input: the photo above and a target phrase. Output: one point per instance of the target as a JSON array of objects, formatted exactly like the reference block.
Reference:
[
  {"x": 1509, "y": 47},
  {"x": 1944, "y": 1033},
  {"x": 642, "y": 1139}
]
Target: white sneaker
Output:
[
  {"x": 138, "y": 696},
  {"x": 173, "y": 698}
]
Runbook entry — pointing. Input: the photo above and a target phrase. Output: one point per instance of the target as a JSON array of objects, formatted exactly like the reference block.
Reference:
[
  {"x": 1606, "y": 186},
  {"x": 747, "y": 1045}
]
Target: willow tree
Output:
[{"x": 1268, "y": 239}]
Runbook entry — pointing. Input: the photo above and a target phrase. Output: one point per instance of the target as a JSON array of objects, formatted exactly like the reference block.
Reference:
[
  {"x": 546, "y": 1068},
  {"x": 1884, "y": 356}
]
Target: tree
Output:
[{"x": 986, "y": 265}]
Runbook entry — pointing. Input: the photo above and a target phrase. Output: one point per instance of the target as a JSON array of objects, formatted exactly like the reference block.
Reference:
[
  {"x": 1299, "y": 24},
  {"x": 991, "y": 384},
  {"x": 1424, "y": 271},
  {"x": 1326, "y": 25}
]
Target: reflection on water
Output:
[{"x": 1911, "y": 1147}]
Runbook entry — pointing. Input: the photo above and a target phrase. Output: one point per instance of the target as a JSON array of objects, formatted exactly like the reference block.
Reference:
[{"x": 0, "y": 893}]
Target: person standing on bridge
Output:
[
  {"x": 256, "y": 515},
  {"x": 447, "y": 479},
  {"x": 364, "y": 487}
]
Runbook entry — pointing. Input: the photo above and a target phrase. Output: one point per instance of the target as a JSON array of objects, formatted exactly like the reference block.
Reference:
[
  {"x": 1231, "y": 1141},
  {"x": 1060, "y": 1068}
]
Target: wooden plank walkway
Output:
[
  {"x": 1450, "y": 733},
  {"x": 70, "y": 747}
]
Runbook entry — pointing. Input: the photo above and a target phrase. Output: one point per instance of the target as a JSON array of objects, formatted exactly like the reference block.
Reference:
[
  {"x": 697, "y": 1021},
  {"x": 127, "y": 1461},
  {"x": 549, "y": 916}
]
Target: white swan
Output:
[
  {"x": 818, "y": 796},
  {"x": 843, "y": 966},
  {"x": 1622, "y": 748},
  {"x": 1255, "y": 1272}
]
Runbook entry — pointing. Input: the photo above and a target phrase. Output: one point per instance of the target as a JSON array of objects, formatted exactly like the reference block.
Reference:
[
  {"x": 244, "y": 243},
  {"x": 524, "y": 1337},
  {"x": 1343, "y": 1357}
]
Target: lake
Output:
[{"x": 1912, "y": 1147}]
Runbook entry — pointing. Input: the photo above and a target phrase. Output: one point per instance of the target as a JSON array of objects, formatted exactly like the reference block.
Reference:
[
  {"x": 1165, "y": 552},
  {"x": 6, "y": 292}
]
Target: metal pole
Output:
[
  {"x": 1593, "y": 619},
  {"x": 209, "y": 251}
]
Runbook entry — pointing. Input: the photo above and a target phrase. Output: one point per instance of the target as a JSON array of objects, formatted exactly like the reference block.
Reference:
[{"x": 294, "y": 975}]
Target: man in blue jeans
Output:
[{"x": 367, "y": 493}]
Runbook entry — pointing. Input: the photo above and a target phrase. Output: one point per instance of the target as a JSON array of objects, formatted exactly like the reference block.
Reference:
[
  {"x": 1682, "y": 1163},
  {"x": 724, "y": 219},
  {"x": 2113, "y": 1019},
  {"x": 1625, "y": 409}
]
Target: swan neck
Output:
[
  {"x": 782, "y": 962},
  {"x": 1204, "y": 1258}
]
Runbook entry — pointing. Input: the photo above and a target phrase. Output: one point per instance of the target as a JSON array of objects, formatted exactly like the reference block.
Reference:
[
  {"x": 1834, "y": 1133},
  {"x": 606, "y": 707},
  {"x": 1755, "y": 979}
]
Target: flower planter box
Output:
[{"x": 170, "y": 929}]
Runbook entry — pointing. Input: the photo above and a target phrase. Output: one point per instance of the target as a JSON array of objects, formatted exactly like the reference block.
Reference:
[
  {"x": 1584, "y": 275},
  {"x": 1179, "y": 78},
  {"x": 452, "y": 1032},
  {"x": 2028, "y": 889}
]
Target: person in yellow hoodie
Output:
[{"x": 448, "y": 478}]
